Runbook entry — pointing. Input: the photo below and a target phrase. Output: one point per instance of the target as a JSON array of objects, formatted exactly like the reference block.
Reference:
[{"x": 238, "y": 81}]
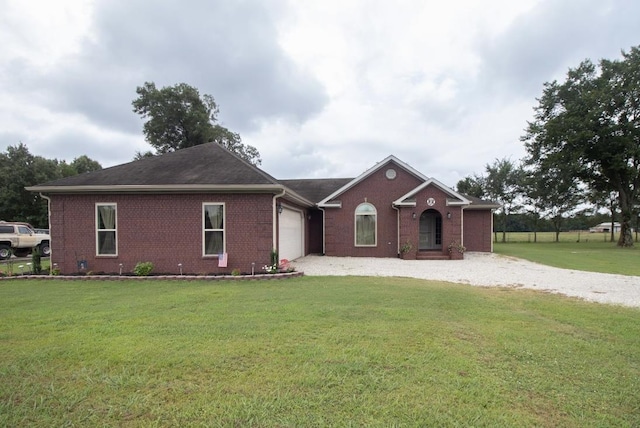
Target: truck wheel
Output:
[
  {"x": 45, "y": 249},
  {"x": 5, "y": 252},
  {"x": 21, "y": 252}
]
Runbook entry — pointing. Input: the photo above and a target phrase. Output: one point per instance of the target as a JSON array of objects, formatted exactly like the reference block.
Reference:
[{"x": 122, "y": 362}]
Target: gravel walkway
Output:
[{"x": 486, "y": 269}]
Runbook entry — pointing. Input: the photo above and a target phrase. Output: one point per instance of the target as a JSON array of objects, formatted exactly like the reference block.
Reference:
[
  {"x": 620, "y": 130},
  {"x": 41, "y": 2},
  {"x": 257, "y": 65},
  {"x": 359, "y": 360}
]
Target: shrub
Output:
[
  {"x": 274, "y": 258},
  {"x": 236, "y": 272},
  {"x": 143, "y": 268},
  {"x": 36, "y": 260}
]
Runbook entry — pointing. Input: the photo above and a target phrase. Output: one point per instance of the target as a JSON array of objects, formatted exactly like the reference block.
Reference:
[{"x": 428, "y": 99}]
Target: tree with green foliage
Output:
[
  {"x": 20, "y": 169},
  {"x": 179, "y": 117},
  {"x": 80, "y": 165},
  {"x": 590, "y": 123},
  {"x": 472, "y": 185},
  {"x": 503, "y": 183},
  {"x": 83, "y": 164},
  {"x": 552, "y": 192}
]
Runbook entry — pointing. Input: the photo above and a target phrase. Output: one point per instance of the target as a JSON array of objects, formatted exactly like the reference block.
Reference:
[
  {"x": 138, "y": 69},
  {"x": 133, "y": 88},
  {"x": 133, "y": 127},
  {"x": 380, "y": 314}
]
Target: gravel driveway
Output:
[{"x": 486, "y": 269}]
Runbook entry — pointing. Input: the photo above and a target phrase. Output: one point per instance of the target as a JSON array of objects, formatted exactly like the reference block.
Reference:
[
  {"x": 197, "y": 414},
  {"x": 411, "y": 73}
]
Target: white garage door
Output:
[{"x": 291, "y": 236}]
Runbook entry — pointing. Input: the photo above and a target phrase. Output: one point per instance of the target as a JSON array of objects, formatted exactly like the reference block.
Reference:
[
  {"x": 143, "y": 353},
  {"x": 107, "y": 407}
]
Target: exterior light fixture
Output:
[
  {"x": 279, "y": 206},
  {"x": 413, "y": 216},
  {"x": 449, "y": 215}
]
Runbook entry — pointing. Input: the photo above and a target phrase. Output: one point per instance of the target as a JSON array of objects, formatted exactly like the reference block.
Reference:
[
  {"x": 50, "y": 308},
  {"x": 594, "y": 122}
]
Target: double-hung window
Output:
[
  {"x": 213, "y": 220},
  {"x": 366, "y": 225},
  {"x": 106, "y": 230}
]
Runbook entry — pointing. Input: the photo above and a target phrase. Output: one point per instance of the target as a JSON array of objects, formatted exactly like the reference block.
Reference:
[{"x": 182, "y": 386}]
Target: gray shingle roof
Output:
[
  {"x": 316, "y": 189},
  {"x": 205, "y": 164}
]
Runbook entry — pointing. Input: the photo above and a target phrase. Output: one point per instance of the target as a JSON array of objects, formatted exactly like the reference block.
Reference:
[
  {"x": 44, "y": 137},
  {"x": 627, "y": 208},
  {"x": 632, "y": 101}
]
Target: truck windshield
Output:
[{"x": 25, "y": 230}]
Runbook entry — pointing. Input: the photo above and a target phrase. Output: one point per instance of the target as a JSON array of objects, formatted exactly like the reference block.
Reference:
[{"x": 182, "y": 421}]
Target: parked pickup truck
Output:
[{"x": 20, "y": 239}]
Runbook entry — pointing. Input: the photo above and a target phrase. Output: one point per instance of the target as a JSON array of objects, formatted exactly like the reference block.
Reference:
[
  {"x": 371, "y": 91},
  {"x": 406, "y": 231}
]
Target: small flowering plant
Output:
[
  {"x": 270, "y": 268},
  {"x": 285, "y": 266},
  {"x": 457, "y": 247}
]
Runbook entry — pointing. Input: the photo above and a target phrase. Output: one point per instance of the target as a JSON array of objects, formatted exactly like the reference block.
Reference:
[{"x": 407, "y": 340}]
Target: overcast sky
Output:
[{"x": 322, "y": 88}]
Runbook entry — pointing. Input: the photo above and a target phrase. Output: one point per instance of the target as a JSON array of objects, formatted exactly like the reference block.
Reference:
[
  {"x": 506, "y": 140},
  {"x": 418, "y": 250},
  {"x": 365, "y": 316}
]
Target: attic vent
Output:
[{"x": 390, "y": 173}]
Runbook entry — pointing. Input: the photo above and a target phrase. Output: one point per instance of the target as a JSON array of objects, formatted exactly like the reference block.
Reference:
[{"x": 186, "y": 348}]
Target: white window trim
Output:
[
  {"x": 98, "y": 230},
  {"x": 355, "y": 226},
  {"x": 223, "y": 230}
]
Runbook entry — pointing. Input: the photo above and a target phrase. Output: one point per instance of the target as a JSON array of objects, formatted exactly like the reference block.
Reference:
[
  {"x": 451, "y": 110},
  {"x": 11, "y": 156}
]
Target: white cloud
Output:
[
  {"x": 43, "y": 32},
  {"x": 322, "y": 88}
]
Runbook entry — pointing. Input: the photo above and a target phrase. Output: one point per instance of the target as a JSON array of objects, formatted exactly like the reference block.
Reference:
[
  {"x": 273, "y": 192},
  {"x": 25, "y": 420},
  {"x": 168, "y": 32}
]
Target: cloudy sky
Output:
[{"x": 323, "y": 88}]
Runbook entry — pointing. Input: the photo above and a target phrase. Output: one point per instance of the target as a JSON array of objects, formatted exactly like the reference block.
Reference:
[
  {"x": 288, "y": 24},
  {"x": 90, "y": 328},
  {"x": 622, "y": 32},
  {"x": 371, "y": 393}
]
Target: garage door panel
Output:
[{"x": 291, "y": 236}]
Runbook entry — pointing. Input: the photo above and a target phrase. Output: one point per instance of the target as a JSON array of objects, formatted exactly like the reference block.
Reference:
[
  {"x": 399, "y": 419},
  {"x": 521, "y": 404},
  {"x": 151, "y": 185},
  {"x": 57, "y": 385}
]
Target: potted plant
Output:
[
  {"x": 456, "y": 250},
  {"x": 405, "y": 249}
]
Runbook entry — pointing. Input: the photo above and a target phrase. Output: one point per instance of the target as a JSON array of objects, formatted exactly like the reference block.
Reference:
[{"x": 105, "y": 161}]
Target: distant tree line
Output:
[
  {"x": 582, "y": 153},
  {"x": 19, "y": 169}
]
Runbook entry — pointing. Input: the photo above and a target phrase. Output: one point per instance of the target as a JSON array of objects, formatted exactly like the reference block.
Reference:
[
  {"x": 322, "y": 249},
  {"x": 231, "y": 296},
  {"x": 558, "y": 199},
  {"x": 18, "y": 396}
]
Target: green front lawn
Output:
[
  {"x": 592, "y": 256},
  {"x": 312, "y": 351}
]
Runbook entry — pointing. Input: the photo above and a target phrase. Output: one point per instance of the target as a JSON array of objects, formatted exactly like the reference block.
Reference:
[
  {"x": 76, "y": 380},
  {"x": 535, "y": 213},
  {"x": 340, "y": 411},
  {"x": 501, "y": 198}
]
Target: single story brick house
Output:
[{"x": 205, "y": 210}]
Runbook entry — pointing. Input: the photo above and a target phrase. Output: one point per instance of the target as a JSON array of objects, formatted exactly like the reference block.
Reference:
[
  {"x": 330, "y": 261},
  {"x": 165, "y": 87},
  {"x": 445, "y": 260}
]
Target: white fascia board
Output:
[
  {"x": 451, "y": 203},
  {"x": 430, "y": 181},
  {"x": 328, "y": 205},
  {"x": 404, "y": 204}
]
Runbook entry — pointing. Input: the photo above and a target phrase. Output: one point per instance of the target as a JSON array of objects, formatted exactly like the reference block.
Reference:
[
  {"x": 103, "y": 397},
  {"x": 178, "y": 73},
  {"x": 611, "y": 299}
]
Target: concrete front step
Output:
[{"x": 432, "y": 255}]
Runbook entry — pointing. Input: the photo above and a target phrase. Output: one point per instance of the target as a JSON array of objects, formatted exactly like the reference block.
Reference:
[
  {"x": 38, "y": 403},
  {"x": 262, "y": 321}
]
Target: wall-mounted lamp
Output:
[
  {"x": 413, "y": 216},
  {"x": 449, "y": 215},
  {"x": 279, "y": 206}
]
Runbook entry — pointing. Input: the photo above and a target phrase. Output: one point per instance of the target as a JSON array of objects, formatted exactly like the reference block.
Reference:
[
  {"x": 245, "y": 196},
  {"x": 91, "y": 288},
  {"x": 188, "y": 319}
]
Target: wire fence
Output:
[{"x": 569, "y": 236}]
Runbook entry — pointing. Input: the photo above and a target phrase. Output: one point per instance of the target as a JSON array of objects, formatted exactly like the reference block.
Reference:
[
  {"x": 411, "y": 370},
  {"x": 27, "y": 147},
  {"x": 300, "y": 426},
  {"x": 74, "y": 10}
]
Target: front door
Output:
[{"x": 430, "y": 230}]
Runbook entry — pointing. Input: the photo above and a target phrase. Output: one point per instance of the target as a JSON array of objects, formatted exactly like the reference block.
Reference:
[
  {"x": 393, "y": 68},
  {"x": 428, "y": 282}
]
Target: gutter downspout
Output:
[
  {"x": 324, "y": 250},
  {"x": 48, "y": 199},
  {"x": 275, "y": 218},
  {"x": 462, "y": 226},
  {"x": 397, "y": 228}
]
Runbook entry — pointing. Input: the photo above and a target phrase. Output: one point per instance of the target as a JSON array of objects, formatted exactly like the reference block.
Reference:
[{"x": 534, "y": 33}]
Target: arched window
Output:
[{"x": 366, "y": 225}]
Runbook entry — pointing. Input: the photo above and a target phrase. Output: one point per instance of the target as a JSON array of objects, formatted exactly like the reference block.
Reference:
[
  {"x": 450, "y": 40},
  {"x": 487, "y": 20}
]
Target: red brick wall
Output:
[
  {"x": 380, "y": 192},
  {"x": 451, "y": 227},
  {"x": 477, "y": 230},
  {"x": 163, "y": 229}
]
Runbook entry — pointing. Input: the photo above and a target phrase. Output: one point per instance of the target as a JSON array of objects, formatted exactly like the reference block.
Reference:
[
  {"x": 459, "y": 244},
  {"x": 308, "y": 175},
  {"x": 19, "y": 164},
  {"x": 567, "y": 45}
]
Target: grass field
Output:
[
  {"x": 592, "y": 256},
  {"x": 312, "y": 351}
]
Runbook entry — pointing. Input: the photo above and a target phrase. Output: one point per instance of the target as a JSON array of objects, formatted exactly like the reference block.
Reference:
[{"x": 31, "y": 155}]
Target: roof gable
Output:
[
  {"x": 454, "y": 198},
  {"x": 326, "y": 202}
]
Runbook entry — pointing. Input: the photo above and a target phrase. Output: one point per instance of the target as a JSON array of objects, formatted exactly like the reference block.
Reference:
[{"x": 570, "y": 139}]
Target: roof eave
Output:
[
  {"x": 483, "y": 207},
  {"x": 170, "y": 188}
]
